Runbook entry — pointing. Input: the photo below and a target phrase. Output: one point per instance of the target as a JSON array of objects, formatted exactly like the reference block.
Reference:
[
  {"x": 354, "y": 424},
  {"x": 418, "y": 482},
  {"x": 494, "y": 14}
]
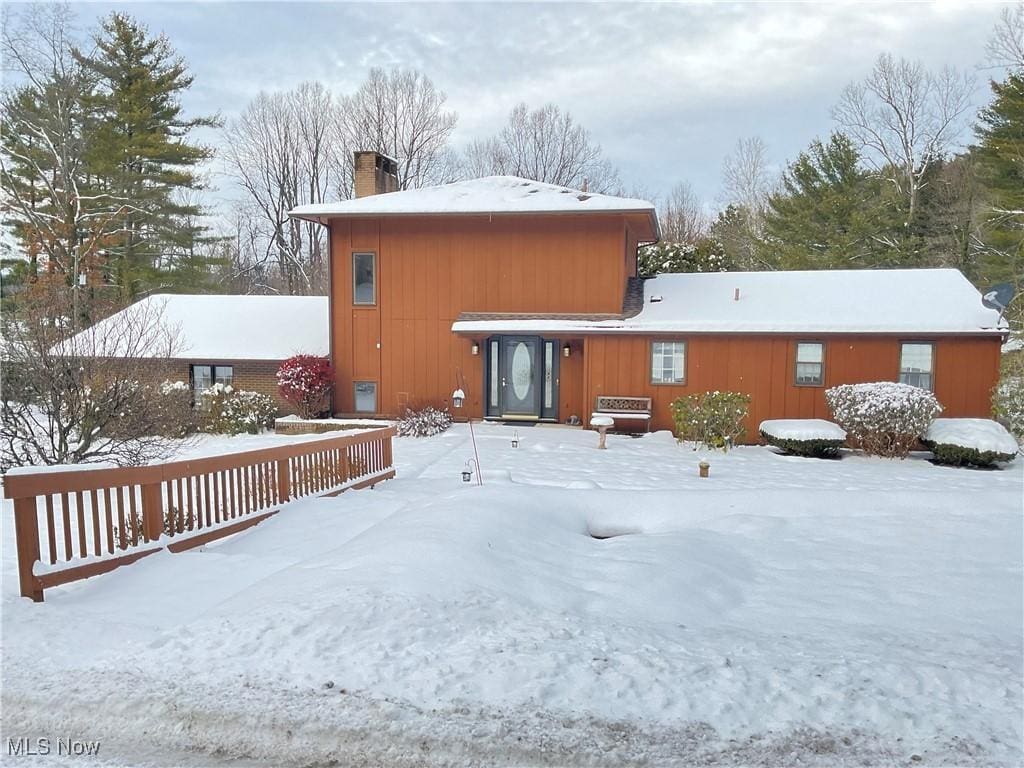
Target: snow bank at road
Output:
[
  {"x": 979, "y": 434},
  {"x": 761, "y": 616},
  {"x": 802, "y": 429}
]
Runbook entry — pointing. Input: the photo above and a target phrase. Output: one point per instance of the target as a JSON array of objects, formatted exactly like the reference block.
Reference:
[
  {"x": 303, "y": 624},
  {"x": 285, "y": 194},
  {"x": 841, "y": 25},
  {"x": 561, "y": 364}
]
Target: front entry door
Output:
[{"x": 520, "y": 377}]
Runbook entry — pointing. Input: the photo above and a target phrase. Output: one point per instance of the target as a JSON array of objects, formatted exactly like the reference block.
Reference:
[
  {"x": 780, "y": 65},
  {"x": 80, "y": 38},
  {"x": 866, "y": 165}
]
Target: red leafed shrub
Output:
[{"x": 305, "y": 381}]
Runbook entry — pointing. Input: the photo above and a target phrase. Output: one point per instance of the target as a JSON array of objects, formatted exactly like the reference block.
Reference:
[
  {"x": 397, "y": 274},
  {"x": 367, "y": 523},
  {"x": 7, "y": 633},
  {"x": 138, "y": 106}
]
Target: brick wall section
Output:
[{"x": 253, "y": 375}]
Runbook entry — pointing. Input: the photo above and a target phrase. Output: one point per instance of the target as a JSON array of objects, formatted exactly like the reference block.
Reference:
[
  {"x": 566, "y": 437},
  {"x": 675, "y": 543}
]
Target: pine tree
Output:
[
  {"x": 1000, "y": 158},
  {"x": 142, "y": 153},
  {"x": 832, "y": 214}
]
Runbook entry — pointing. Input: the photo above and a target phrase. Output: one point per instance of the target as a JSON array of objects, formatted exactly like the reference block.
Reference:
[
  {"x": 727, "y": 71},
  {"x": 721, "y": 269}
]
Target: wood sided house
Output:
[{"x": 526, "y": 295}]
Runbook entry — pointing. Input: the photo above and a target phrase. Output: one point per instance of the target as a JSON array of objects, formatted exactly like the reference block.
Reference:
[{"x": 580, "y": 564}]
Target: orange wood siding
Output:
[
  {"x": 431, "y": 269},
  {"x": 966, "y": 370}
]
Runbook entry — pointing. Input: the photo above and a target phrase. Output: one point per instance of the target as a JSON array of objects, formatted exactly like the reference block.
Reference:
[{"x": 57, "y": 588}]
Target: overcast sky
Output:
[{"x": 667, "y": 89}]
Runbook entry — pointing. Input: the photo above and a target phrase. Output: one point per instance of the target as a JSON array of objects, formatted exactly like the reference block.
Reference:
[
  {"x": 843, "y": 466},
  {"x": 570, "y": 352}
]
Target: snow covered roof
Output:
[
  {"x": 908, "y": 301},
  {"x": 490, "y": 194},
  {"x": 215, "y": 327}
]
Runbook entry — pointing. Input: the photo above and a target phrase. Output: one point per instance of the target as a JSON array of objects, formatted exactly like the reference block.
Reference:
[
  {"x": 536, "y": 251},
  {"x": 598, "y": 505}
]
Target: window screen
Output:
[
  {"x": 668, "y": 362},
  {"x": 366, "y": 397},
  {"x": 916, "y": 362},
  {"x": 810, "y": 363}
]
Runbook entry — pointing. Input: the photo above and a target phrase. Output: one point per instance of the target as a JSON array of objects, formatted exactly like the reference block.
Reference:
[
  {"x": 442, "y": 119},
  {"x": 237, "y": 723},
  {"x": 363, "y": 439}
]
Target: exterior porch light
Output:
[
  {"x": 458, "y": 398},
  {"x": 566, "y": 350},
  {"x": 515, "y": 439},
  {"x": 475, "y": 349}
]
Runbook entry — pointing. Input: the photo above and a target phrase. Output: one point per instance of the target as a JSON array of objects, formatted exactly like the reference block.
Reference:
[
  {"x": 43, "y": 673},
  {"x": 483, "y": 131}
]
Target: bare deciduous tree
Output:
[
  {"x": 746, "y": 178},
  {"x": 544, "y": 144},
  {"x": 87, "y": 397},
  {"x": 682, "y": 216},
  {"x": 282, "y": 152},
  {"x": 1005, "y": 48},
  {"x": 399, "y": 114},
  {"x": 905, "y": 118}
]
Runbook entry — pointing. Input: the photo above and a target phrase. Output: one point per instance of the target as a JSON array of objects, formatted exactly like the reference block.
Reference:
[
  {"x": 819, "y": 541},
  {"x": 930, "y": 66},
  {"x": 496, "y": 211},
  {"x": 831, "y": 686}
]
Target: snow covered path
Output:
[{"x": 782, "y": 611}]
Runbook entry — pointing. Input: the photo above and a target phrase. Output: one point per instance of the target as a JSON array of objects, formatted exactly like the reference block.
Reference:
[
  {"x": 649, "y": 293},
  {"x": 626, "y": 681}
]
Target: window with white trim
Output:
[
  {"x": 668, "y": 362},
  {"x": 810, "y": 364},
  {"x": 917, "y": 362}
]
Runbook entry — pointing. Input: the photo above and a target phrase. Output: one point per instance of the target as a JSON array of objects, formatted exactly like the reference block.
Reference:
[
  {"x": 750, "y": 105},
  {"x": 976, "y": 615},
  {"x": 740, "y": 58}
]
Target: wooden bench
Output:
[{"x": 624, "y": 409}]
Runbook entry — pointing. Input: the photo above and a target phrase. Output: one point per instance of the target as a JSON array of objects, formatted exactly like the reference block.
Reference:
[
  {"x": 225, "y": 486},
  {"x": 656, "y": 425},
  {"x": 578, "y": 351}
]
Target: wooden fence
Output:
[{"x": 73, "y": 524}]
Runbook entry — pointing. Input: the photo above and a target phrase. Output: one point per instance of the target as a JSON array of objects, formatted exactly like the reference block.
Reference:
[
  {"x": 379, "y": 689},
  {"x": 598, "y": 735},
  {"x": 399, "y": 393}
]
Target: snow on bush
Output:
[
  {"x": 1008, "y": 403},
  {"x": 305, "y": 381},
  {"x": 884, "y": 418},
  {"x": 424, "y": 422},
  {"x": 713, "y": 419},
  {"x": 978, "y": 442},
  {"x": 804, "y": 437},
  {"x": 228, "y": 411}
]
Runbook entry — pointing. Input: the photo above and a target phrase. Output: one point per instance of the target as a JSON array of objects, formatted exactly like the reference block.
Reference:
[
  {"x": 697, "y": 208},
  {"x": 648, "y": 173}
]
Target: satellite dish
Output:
[{"x": 998, "y": 297}]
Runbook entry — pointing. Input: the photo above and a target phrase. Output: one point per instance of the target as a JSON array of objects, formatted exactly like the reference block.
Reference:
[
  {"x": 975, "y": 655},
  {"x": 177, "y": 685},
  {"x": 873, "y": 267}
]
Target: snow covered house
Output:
[
  {"x": 526, "y": 296},
  {"x": 236, "y": 340}
]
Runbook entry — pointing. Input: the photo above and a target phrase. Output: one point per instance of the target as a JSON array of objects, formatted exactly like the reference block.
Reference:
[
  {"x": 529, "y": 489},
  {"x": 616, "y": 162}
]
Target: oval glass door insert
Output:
[{"x": 522, "y": 370}]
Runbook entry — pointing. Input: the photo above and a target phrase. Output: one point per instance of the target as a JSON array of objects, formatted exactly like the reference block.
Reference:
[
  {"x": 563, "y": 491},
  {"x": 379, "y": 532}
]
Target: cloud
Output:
[{"x": 666, "y": 88}]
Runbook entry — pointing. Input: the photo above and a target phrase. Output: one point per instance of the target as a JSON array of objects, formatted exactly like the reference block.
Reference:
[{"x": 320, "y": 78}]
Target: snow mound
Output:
[
  {"x": 980, "y": 434},
  {"x": 802, "y": 429}
]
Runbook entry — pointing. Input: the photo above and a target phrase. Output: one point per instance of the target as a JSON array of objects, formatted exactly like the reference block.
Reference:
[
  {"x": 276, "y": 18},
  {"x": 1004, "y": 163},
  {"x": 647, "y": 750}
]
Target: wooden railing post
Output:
[
  {"x": 152, "y": 511},
  {"x": 26, "y": 535},
  {"x": 284, "y": 480}
]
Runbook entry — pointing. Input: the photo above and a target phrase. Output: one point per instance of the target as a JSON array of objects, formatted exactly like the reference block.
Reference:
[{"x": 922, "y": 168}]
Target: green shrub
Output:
[
  {"x": 712, "y": 419},
  {"x": 815, "y": 449},
  {"x": 1008, "y": 403},
  {"x": 962, "y": 456},
  {"x": 228, "y": 411},
  {"x": 883, "y": 418}
]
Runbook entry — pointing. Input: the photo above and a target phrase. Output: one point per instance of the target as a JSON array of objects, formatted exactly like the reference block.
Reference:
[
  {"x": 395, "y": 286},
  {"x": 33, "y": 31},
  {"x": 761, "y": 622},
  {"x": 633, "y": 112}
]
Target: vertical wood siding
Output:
[
  {"x": 431, "y": 269},
  {"x": 966, "y": 370}
]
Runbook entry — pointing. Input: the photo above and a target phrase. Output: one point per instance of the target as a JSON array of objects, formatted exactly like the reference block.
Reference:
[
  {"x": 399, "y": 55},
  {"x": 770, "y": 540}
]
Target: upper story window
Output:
[
  {"x": 810, "y": 364},
  {"x": 364, "y": 278},
  {"x": 668, "y": 362},
  {"x": 917, "y": 363}
]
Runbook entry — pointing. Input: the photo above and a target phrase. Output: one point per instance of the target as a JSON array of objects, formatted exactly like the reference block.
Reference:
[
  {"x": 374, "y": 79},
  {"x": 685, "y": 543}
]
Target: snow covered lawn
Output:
[{"x": 582, "y": 607}]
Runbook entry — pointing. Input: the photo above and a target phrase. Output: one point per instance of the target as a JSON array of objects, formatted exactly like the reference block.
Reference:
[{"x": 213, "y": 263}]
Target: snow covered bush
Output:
[
  {"x": 424, "y": 422},
  {"x": 970, "y": 442},
  {"x": 173, "y": 400},
  {"x": 815, "y": 438},
  {"x": 1008, "y": 395},
  {"x": 712, "y": 419},
  {"x": 883, "y": 418},
  {"x": 305, "y": 381},
  {"x": 227, "y": 411}
]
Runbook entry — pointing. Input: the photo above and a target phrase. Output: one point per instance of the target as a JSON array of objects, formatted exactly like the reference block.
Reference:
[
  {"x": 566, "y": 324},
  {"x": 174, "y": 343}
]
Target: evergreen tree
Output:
[
  {"x": 142, "y": 154},
  {"x": 1000, "y": 158},
  {"x": 832, "y": 214},
  {"x": 706, "y": 255}
]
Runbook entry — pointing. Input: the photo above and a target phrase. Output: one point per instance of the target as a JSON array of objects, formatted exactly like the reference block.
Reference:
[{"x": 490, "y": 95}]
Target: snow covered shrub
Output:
[
  {"x": 173, "y": 400},
  {"x": 884, "y": 418},
  {"x": 815, "y": 438},
  {"x": 1008, "y": 395},
  {"x": 305, "y": 381},
  {"x": 424, "y": 422},
  {"x": 970, "y": 442},
  {"x": 227, "y": 411},
  {"x": 713, "y": 419}
]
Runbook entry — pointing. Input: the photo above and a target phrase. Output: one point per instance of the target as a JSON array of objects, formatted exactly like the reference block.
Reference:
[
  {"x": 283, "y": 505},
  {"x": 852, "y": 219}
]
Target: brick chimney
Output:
[{"x": 374, "y": 174}]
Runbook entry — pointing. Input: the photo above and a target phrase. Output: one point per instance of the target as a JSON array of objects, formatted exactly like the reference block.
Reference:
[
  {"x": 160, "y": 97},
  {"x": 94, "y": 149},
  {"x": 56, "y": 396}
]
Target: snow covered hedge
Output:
[
  {"x": 424, "y": 422},
  {"x": 816, "y": 438},
  {"x": 228, "y": 411},
  {"x": 977, "y": 442},
  {"x": 712, "y": 419},
  {"x": 884, "y": 418}
]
